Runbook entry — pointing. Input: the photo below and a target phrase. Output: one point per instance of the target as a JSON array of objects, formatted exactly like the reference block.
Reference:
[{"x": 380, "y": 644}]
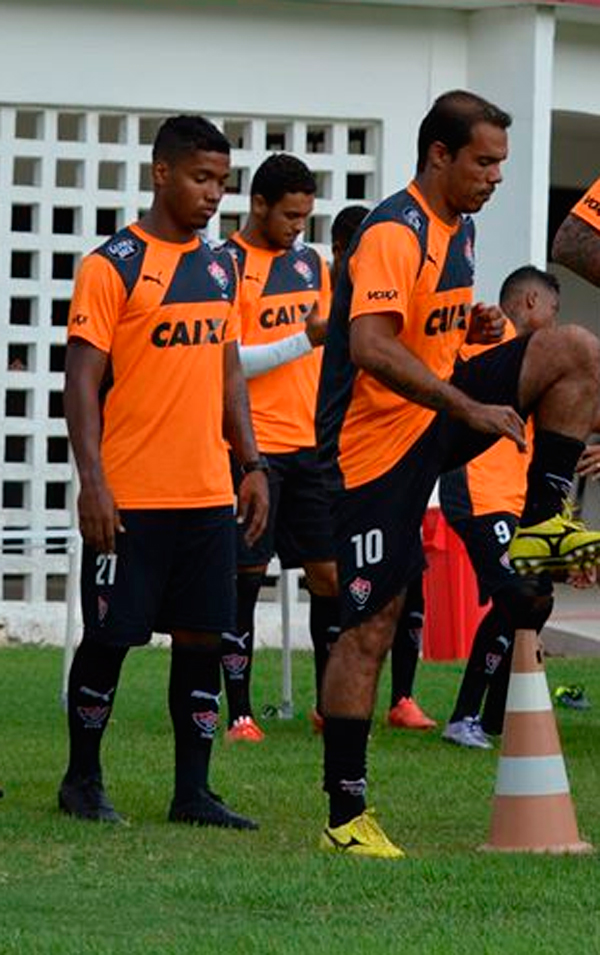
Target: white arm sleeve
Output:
[{"x": 257, "y": 359}]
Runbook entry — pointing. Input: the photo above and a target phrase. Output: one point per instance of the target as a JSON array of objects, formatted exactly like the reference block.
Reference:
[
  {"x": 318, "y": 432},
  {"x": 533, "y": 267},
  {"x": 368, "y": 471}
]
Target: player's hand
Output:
[
  {"x": 589, "y": 462},
  {"x": 99, "y": 519},
  {"x": 497, "y": 419},
  {"x": 316, "y": 327},
  {"x": 253, "y": 505},
  {"x": 487, "y": 325}
]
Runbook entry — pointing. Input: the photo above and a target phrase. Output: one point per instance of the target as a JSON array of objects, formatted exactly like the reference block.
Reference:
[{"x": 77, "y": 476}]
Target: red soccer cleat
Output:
[
  {"x": 244, "y": 729},
  {"x": 408, "y": 715}
]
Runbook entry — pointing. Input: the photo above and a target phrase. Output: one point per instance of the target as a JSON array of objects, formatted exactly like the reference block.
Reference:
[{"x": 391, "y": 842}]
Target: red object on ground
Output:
[{"x": 452, "y": 610}]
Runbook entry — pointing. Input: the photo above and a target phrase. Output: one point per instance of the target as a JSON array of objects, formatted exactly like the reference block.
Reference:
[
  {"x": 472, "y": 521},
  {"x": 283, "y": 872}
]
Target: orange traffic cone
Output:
[{"x": 533, "y": 810}]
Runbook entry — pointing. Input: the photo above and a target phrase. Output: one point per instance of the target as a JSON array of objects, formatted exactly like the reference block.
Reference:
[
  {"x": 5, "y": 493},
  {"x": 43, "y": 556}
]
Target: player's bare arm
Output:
[
  {"x": 316, "y": 327},
  {"x": 253, "y": 493},
  {"x": 576, "y": 245},
  {"x": 99, "y": 519},
  {"x": 375, "y": 348}
]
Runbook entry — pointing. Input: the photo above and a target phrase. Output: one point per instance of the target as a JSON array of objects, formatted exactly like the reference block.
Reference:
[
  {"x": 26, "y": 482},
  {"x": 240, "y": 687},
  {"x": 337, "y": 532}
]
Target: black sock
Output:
[
  {"x": 490, "y": 643},
  {"x": 345, "y": 740},
  {"x": 407, "y": 643},
  {"x": 550, "y": 475},
  {"x": 93, "y": 682},
  {"x": 238, "y": 648},
  {"x": 324, "y": 631},
  {"x": 194, "y": 706},
  {"x": 492, "y": 716}
]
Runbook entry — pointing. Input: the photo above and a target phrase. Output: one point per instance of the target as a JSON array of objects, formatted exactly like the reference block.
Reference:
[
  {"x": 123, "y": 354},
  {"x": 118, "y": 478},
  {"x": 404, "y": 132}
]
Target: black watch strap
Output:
[{"x": 257, "y": 464}]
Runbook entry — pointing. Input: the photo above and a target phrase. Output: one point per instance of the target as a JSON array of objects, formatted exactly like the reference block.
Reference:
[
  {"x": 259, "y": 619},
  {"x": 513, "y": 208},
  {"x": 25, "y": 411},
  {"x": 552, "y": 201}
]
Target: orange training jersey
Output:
[
  {"x": 277, "y": 291},
  {"x": 493, "y": 482},
  {"x": 588, "y": 207},
  {"x": 404, "y": 260},
  {"x": 162, "y": 311}
]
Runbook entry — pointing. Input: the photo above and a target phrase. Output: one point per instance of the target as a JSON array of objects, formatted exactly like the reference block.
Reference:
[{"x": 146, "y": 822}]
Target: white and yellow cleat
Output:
[
  {"x": 559, "y": 544},
  {"x": 362, "y": 836}
]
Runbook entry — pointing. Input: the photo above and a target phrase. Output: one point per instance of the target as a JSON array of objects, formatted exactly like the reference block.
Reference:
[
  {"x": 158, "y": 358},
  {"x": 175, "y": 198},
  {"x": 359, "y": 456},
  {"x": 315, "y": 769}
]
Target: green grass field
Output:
[{"x": 73, "y": 888}]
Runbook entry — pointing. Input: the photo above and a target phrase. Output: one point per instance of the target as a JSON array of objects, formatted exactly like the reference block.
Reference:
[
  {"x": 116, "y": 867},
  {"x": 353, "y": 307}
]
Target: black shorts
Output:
[
  {"x": 173, "y": 570},
  {"x": 299, "y": 529},
  {"x": 377, "y": 525},
  {"x": 486, "y": 539}
]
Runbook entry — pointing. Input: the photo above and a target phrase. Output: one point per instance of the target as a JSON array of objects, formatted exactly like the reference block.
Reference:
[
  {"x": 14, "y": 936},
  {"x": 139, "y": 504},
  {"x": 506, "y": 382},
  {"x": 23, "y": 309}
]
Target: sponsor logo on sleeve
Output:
[
  {"x": 123, "y": 249},
  {"x": 382, "y": 295},
  {"x": 413, "y": 218}
]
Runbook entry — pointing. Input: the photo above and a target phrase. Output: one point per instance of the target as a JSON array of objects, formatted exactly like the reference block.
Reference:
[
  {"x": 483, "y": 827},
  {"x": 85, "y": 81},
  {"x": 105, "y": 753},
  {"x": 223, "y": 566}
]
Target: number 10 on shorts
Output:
[{"x": 368, "y": 547}]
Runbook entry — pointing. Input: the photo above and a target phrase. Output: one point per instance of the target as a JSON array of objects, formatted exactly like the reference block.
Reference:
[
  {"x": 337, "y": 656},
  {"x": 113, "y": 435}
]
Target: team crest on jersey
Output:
[
  {"x": 360, "y": 591},
  {"x": 414, "y": 218},
  {"x": 219, "y": 275},
  {"x": 123, "y": 249},
  {"x": 206, "y": 721},
  {"x": 469, "y": 254},
  {"x": 304, "y": 271}
]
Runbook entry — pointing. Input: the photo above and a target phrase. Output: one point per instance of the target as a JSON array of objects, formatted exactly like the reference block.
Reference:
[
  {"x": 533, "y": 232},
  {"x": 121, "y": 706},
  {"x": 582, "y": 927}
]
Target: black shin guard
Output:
[
  {"x": 93, "y": 682},
  {"x": 324, "y": 631},
  {"x": 238, "y": 648},
  {"x": 550, "y": 475},
  {"x": 407, "y": 643},
  {"x": 194, "y": 691},
  {"x": 345, "y": 740}
]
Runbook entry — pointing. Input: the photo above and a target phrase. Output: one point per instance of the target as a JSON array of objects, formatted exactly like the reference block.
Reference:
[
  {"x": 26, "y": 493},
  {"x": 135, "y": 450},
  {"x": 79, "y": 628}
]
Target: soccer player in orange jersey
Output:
[
  {"x": 482, "y": 501},
  {"x": 404, "y": 711},
  {"x": 285, "y": 298},
  {"x": 394, "y": 412},
  {"x": 153, "y": 380}
]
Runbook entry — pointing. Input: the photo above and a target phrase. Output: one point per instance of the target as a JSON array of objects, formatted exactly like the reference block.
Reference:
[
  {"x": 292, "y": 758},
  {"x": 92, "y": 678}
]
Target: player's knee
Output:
[
  {"x": 526, "y": 602},
  {"x": 583, "y": 347}
]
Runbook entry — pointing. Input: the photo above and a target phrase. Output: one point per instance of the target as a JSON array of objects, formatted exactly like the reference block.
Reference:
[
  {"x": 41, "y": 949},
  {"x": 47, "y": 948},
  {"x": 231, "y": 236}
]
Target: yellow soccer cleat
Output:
[
  {"x": 558, "y": 544},
  {"x": 362, "y": 836}
]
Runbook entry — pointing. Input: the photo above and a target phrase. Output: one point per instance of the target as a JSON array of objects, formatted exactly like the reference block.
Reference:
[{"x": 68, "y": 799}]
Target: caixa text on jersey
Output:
[{"x": 198, "y": 331}]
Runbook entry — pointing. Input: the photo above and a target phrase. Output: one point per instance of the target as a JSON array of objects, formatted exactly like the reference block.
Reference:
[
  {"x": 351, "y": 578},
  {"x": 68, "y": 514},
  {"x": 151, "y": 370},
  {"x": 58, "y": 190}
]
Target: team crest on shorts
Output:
[
  {"x": 360, "y": 591},
  {"x": 206, "y": 721},
  {"x": 123, "y": 249},
  {"x": 505, "y": 561},
  {"x": 102, "y": 609}
]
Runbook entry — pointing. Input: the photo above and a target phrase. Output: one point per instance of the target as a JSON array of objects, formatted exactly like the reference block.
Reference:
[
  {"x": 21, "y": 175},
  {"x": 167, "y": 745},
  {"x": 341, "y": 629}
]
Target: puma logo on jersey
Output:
[
  {"x": 201, "y": 331},
  {"x": 285, "y": 315},
  {"x": 446, "y": 319},
  {"x": 153, "y": 278}
]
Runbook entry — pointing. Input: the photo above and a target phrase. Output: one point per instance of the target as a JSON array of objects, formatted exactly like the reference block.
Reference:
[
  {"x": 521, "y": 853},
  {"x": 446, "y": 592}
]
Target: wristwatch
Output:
[{"x": 257, "y": 464}]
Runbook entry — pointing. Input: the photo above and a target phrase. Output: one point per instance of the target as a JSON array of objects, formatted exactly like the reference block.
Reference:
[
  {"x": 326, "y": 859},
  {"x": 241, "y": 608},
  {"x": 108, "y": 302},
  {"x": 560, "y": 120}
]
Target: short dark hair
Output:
[
  {"x": 527, "y": 275},
  {"x": 279, "y": 174},
  {"x": 346, "y": 223},
  {"x": 451, "y": 119},
  {"x": 181, "y": 135}
]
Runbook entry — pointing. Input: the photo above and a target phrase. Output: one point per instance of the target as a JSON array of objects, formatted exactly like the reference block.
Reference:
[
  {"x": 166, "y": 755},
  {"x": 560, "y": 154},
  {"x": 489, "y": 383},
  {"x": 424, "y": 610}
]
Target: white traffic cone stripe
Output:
[
  {"x": 531, "y": 776},
  {"x": 528, "y": 693}
]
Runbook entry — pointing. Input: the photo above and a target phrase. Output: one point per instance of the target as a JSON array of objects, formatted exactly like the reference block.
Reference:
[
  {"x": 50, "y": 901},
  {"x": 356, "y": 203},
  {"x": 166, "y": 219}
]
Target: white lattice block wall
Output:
[{"x": 68, "y": 179}]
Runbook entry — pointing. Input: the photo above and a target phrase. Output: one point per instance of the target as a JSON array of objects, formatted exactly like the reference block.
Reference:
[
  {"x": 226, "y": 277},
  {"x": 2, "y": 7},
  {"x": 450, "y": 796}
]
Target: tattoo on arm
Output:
[{"x": 577, "y": 247}]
